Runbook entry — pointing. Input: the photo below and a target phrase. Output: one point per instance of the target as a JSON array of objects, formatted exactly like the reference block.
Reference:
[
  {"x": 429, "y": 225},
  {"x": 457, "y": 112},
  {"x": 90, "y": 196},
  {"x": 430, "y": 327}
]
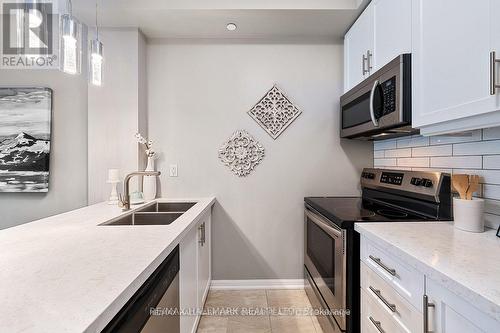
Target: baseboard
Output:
[{"x": 257, "y": 284}]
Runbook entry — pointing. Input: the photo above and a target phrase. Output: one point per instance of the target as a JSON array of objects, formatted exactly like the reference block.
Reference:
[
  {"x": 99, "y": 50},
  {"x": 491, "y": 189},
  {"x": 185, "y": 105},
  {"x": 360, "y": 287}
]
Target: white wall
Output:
[
  {"x": 476, "y": 152},
  {"x": 199, "y": 95},
  {"x": 68, "y": 156},
  {"x": 117, "y": 110}
]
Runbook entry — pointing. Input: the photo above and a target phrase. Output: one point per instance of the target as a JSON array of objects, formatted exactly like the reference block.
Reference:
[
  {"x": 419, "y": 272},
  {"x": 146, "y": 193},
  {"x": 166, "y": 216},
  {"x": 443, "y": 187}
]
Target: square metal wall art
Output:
[
  {"x": 274, "y": 112},
  {"x": 241, "y": 153}
]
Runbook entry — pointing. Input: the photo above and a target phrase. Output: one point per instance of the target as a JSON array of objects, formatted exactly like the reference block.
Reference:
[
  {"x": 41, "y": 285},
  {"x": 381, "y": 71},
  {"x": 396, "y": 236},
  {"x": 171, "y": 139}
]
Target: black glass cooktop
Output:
[{"x": 345, "y": 211}]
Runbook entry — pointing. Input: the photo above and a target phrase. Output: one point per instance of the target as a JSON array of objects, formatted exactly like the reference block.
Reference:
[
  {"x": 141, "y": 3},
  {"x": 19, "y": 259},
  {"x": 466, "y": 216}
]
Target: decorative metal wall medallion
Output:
[
  {"x": 274, "y": 112},
  {"x": 241, "y": 153}
]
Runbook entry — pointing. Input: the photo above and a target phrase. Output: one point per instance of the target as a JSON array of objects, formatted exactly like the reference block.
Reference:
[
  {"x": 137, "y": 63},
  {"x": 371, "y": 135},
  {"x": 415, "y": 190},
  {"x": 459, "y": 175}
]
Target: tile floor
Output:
[{"x": 263, "y": 322}]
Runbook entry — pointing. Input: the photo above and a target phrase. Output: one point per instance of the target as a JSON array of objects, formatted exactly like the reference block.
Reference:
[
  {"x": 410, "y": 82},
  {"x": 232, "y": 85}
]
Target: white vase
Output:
[{"x": 149, "y": 182}]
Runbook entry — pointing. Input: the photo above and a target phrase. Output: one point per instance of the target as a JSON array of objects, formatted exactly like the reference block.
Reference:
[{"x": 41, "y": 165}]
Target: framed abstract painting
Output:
[{"x": 25, "y": 133}]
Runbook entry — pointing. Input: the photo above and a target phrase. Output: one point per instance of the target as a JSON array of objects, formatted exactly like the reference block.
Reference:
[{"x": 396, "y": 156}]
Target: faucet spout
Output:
[{"x": 125, "y": 199}]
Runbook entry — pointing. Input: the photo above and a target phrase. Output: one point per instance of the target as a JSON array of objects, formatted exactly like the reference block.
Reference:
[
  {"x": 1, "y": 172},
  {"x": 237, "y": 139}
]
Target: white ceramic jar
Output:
[{"x": 468, "y": 215}]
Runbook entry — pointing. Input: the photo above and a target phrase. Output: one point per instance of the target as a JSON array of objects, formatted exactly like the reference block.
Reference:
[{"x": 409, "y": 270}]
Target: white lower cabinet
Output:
[
  {"x": 405, "y": 280},
  {"x": 195, "y": 272},
  {"x": 373, "y": 317},
  {"x": 204, "y": 259},
  {"x": 391, "y": 306},
  {"x": 448, "y": 313},
  {"x": 389, "y": 288}
]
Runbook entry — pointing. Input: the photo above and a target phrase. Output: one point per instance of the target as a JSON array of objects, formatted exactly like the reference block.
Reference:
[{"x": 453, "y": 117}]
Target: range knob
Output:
[
  {"x": 427, "y": 182},
  {"x": 416, "y": 181},
  {"x": 368, "y": 175}
]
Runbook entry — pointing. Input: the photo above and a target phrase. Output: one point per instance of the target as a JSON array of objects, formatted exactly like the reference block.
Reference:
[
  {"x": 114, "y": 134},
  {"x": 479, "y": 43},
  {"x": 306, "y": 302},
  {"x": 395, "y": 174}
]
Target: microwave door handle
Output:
[{"x": 372, "y": 97}]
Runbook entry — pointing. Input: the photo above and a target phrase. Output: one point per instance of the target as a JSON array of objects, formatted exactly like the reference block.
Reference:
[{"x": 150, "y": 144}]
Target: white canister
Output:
[{"x": 468, "y": 215}]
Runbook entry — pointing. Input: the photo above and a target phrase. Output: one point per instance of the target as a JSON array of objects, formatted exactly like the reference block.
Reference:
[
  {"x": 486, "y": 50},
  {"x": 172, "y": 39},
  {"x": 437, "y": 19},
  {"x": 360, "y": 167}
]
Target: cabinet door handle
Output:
[
  {"x": 377, "y": 293},
  {"x": 379, "y": 262},
  {"x": 377, "y": 325},
  {"x": 426, "y": 307},
  {"x": 201, "y": 228},
  {"x": 364, "y": 64},
  {"x": 493, "y": 73},
  {"x": 368, "y": 60},
  {"x": 204, "y": 233}
]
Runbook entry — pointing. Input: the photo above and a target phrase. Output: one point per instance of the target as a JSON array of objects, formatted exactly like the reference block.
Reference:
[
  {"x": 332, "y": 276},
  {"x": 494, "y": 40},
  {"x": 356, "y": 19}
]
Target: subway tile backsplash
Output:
[
  {"x": 456, "y": 162},
  {"x": 474, "y": 152},
  {"x": 491, "y": 162}
]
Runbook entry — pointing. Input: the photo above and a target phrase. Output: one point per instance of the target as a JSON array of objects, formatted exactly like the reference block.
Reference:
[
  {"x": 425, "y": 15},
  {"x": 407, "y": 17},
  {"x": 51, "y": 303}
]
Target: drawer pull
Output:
[
  {"x": 379, "y": 262},
  {"x": 377, "y": 325},
  {"x": 392, "y": 307}
]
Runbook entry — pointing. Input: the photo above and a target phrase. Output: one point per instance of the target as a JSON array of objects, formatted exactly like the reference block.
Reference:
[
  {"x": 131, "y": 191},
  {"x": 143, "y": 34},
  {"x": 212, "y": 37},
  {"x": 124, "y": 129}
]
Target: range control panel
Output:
[
  {"x": 428, "y": 184},
  {"x": 392, "y": 178}
]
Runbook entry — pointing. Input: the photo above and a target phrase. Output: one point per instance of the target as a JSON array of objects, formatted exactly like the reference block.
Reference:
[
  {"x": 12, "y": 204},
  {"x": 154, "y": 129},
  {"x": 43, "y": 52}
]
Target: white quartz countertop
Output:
[
  {"x": 466, "y": 263},
  {"x": 66, "y": 273}
]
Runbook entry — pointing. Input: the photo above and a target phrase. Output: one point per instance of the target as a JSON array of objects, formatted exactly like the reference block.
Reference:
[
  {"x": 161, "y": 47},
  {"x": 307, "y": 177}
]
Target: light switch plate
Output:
[{"x": 173, "y": 170}]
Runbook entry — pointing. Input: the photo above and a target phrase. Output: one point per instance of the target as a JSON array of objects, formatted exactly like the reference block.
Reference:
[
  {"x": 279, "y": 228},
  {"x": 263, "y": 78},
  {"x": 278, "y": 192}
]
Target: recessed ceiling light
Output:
[{"x": 231, "y": 27}]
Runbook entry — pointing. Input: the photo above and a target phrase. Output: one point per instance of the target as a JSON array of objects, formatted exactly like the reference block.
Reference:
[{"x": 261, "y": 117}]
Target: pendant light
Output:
[
  {"x": 96, "y": 56},
  {"x": 70, "y": 42}
]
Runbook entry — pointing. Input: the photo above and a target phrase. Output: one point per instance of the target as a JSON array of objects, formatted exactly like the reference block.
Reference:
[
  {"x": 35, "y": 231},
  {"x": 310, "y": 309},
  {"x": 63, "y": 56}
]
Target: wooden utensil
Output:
[
  {"x": 461, "y": 184},
  {"x": 473, "y": 186}
]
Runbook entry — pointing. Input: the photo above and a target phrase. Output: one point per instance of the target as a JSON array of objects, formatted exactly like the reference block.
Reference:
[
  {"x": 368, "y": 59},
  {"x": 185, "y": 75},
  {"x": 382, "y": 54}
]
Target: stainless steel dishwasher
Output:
[{"x": 154, "y": 307}]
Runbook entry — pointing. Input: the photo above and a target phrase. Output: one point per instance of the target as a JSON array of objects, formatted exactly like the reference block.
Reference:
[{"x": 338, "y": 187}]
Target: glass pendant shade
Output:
[
  {"x": 71, "y": 50},
  {"x": 96, "y": 62}
]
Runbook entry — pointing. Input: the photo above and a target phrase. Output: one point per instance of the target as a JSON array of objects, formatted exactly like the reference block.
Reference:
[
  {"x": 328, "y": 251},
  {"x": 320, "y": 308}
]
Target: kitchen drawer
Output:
[
  {"x": 374, "y": 319},
  {"x": 408, "y": 282},
  {"x": 394, "y": 305}
]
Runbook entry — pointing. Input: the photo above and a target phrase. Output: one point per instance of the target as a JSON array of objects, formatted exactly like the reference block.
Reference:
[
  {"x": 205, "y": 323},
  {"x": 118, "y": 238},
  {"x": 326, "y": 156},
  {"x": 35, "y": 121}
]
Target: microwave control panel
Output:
[{"x": 389, "y": 93}]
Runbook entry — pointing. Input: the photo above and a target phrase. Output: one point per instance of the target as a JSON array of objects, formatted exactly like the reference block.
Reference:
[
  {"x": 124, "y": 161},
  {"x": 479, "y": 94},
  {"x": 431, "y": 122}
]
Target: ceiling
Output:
[{"x": 256, "y": 19}]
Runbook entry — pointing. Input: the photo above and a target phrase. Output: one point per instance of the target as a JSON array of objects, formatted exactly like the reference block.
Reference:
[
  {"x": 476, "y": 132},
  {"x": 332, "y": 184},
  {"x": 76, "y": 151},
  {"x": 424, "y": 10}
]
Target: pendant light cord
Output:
[
  {"x": 69, "y": 7},
  {"x": 96, "y": 25}
]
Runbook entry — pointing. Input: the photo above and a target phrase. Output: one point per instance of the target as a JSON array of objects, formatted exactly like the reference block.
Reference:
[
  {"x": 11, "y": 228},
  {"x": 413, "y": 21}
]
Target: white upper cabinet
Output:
[
  {"x": 358, "y": 49},
  {"x": 392, "y": 30},
  {"x": 380, "y": 34},
  {"x": 495, "y": 47},
  {"x": 452, "y": 41}
]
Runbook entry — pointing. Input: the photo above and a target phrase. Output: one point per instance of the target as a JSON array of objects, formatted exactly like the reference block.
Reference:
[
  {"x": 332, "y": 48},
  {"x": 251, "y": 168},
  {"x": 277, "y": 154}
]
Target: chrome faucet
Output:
[{"x": 125, "y": 199}]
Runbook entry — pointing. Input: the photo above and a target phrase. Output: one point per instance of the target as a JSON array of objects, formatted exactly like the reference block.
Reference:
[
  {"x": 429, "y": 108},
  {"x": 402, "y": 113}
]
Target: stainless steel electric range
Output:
[{"x": 331, "y": 255}]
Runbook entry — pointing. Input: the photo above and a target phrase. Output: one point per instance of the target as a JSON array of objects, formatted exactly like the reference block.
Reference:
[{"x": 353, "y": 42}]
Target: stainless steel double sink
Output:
[{"x": 157, "y": 213}]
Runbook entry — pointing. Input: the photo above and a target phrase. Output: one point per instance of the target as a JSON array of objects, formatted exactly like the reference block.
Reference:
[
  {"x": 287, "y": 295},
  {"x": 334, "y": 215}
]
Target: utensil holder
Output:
[{"x": 468, "y": 215}]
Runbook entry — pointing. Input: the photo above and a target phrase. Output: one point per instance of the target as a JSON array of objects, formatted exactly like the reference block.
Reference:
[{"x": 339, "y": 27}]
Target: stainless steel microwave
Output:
[{"x": 380, "y": 106}]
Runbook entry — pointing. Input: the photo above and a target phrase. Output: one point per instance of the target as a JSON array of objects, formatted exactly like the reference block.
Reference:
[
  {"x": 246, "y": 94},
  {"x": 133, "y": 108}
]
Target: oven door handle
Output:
[
  {"x": 331, "y": 230},
  {"x": 372, "y": 97}
]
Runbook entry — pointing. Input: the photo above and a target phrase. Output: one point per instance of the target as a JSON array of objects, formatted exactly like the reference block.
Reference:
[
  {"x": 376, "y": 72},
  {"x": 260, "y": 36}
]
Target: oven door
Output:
[{"x": 325, "y": 259}]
